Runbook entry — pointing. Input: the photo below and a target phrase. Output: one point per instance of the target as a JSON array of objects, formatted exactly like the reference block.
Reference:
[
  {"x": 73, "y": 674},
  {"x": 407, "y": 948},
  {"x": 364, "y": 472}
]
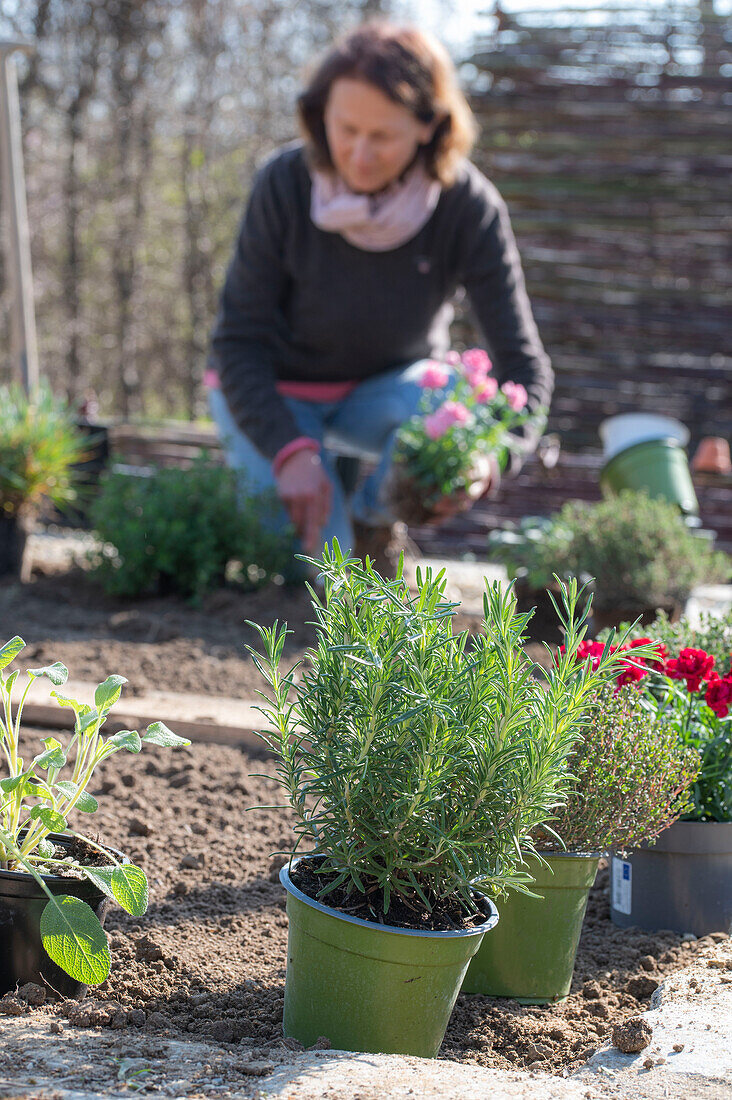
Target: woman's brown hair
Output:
[{"x": 409, "y": 67}]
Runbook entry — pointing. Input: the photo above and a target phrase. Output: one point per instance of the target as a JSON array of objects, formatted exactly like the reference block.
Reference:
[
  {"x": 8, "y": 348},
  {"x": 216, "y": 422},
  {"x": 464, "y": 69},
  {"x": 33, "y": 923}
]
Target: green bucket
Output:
[
  {"x": 530, "y": 955},
  {"x": 370, "y": 987},
  {"x": 659, "y": 466}
]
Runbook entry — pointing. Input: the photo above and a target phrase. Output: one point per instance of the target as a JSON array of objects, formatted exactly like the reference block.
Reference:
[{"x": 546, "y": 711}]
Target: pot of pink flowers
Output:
[{"x": 459, "y": 439}]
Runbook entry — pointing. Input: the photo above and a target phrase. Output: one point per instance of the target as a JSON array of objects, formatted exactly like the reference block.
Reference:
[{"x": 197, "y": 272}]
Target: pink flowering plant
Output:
[{"x": 464, "y": 419}]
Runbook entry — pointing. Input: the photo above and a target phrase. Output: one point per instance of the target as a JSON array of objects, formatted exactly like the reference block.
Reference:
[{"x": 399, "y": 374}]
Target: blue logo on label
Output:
[{"x": 626, "y": 870}]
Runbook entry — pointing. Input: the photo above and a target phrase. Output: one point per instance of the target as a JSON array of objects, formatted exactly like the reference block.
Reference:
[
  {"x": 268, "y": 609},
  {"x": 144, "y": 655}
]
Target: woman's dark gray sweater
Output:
[{"x": 300, "y": 304}]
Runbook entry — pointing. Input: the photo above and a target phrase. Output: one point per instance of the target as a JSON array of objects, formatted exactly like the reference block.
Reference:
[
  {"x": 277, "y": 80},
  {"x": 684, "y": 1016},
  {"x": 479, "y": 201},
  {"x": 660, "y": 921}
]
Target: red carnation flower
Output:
[
  {"x": 631, "y": 674},
  {"x": 692, "y": 665},
  {"x": 719, "y": 694},
  {"x": 593, "y": 650},
  {"x": 585, "y": 650}
]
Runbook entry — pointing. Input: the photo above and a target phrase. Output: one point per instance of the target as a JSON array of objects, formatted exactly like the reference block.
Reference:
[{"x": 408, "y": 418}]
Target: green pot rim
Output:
[{"x": 290, "y": 887}]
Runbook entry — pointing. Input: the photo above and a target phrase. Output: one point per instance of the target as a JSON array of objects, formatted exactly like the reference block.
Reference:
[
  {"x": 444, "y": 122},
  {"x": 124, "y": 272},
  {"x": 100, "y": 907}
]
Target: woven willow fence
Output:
[
  {"x": 608, "y": 134},
  {"x": 609, "y": 137}
]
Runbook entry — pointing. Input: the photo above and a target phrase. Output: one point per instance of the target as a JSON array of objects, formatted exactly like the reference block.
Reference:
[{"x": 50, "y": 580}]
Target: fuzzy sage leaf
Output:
[
  {"x": 126, "y": 884},
  {"x": 57, "y": 673},
  {"x": 158, "y": 734},
  {"x": 10, "y": 651},
  {"x": 75, "y": 940}
]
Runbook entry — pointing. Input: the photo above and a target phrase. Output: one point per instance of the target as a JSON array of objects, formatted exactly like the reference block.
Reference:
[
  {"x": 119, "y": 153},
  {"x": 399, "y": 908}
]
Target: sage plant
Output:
[
  {"x": 35, "y": 802},
  {"x": 419, "y": 761}
]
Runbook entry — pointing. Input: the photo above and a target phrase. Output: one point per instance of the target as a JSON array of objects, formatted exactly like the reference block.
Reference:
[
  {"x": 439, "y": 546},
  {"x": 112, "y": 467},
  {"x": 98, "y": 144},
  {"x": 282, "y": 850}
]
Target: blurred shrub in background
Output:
[
  {"x": 638, "y": 549},
  {"x": 186, "y": 531}
]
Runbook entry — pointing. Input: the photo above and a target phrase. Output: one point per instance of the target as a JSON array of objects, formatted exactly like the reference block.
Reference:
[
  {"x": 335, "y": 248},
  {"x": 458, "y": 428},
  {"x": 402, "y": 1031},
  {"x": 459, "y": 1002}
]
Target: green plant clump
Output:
[
  {"x": 631, "y": 777},
  {"x": 638, "y": 549},
  {"x": 39, "y": 445},
  {"x": 418, "y": 761},
  {"x": 184, "y": 531},
  {"x": 35, "y": 802}
]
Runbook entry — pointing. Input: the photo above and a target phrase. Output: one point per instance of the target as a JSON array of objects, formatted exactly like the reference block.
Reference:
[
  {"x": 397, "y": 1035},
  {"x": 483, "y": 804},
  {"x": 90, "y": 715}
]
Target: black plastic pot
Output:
[
  {"x": 87, "y": 473},
  {"x": 12, "y": 545},
  {"x": 682, "y": 882},
  {"x": 22, "y": 955}
]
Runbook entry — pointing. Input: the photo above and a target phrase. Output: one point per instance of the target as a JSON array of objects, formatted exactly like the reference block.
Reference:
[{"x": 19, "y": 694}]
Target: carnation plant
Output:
[
  {"x": 695, "y": 698},
  {"x": 418, "y": 762},
  {"x": 464, "y": 420},
  {"x": 631, "y": 776},
  {"x": 707, "y": 631},
  {"x": 690, "y": 691},
  {"x": 41, "y": 790}
]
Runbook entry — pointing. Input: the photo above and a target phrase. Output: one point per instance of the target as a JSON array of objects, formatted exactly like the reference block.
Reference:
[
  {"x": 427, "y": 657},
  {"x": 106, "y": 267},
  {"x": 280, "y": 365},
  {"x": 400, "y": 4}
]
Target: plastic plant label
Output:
[{"x": 622, "y": 886}]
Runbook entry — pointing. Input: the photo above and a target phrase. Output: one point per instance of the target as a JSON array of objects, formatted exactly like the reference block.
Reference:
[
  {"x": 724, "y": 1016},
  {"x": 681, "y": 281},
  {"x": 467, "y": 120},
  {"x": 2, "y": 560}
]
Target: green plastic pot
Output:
[
  {"x": 659, "y": 466},
  {"x": 530, "y": 956},
  {"x": 370, "y": 987}
]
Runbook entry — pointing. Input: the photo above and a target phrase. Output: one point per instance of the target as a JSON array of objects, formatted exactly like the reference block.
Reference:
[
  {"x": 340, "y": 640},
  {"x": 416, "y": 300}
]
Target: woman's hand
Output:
[
  {"x": 306, "y": 492},
  {"x": 483, "y": 475}
]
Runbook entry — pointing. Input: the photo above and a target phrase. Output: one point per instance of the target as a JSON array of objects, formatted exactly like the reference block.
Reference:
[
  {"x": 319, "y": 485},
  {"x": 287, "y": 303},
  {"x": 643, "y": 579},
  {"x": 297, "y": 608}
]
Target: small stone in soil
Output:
[
  {"x": 678, "y": 1047},
  {"x": 56, "y": 1028},
  {"x": 292, "y": 1044},
  {"x": 222, "y": 1031},
  {"x": 277, "y": 864},
  {"x": 633, "y": 1035},
  {"x": 32, "y": 993},
  {"x": 648, "y": 962},
  {"x": 321, "y": 1043},
  {"x": 256, "y": 1069},
  {"x": 10, "y": 1005},
  {"x": 641, "y": 987}
]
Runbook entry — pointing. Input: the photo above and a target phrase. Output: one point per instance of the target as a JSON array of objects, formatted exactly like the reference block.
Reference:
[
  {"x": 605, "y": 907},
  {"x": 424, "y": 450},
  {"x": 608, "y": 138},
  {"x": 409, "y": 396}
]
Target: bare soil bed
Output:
[{"x": 208, "y": 960}]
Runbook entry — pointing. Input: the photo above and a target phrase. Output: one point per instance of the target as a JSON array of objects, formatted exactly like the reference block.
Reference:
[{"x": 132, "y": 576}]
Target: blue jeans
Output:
[{"x": 362, "y": 425}]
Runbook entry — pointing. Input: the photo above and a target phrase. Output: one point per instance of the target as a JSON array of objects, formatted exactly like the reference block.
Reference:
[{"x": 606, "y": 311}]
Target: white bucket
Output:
[{"x": 620, "y": 432}]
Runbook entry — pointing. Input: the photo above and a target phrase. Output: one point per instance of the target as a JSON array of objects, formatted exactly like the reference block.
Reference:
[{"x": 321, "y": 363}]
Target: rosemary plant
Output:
[{"x": 418, "y": 761}]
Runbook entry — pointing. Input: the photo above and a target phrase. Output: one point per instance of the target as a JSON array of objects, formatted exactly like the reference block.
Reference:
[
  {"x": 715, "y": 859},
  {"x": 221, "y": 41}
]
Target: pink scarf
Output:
[{"x": 375, "y": 223}]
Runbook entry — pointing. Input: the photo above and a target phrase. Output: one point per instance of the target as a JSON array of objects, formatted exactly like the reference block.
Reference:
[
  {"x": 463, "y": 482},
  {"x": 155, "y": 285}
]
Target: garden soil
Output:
[{"x": 208, "y": 959}]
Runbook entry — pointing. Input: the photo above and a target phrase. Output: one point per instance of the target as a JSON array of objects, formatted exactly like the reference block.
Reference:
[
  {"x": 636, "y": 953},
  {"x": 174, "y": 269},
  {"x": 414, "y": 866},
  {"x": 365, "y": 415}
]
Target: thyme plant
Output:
[
  {"x": 419, "y": 761},
  {"x": 35, "y": 802},
  {"x": 631, "y": 776}
]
